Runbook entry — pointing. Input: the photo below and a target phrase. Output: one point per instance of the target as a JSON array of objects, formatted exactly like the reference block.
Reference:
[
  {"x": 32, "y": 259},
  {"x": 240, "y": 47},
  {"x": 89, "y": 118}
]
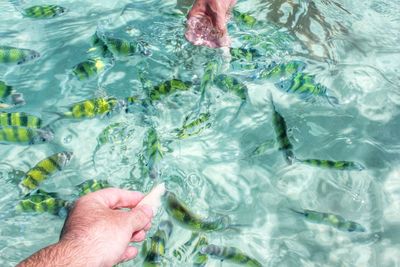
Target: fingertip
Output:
[{"x": 129, "y": 254}]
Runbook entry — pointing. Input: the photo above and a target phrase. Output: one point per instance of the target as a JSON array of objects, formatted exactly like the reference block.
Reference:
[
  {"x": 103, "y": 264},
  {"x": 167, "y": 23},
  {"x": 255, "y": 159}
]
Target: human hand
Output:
[
  {"x": 101, "y": 231},
  {"x": 206, "y": 24}
]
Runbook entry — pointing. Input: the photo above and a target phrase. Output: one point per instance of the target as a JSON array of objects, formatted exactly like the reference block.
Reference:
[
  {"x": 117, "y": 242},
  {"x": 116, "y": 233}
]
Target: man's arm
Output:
[{"x": 97, "y": 232}]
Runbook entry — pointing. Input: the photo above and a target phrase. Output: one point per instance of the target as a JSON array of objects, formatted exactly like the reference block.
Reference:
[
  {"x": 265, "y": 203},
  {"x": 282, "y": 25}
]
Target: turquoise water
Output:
[{"x": 350, "y": 47}]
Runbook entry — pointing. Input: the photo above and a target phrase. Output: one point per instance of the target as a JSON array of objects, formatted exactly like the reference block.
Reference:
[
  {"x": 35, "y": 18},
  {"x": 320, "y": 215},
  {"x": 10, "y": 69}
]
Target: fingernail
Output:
[{"x": 147, "y": 210}]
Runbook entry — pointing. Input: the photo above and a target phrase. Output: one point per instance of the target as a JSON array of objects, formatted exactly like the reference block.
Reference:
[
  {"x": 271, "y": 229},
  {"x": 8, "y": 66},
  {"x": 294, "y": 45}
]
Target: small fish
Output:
[
  {"x": 200, "y": 259},
  {"x": 156, "y": 249},
  {"x": 168, "y": 88},
  {"x": 244, "y": 19},
  {"x": 263, "y": 148},
  {"x": 6, "y": 91},
  {"x": 44, "y": 12},
  {"x": 90, "y": 68},
  {"x": 305, "y": 85},
  {"x": 276, "y": 72},
  {"x": 194, "y": 127},
  {"x": 231, "y": 84},
  {"x": 244, "y": 54},
  {"x": 123, "y": 48},
  {"x": 230, "y": 254},
  {"x": 24, "y": 135},
  {"x": 19, "y": 119},
  {"x": 281, "y": 135},
  {"x": 44, "y": 169},
  {"x": 178, "y": 211},
  {"x": 330, "y": 164},
  {"x": 99, "y": 48},
  {"x": 16, "y": 55},
  {"x": 333, "y": 220},
  {"x": 153, "y": 151},
  {"x": 92, "y": 185},
  {"x": 41, "y": 201},
  {"x": 92, "y": 107}
]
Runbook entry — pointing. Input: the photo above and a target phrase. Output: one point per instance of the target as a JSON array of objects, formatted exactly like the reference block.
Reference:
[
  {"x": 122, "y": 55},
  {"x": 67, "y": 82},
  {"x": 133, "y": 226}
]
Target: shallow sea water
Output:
[{"x": 351, "y": 47}]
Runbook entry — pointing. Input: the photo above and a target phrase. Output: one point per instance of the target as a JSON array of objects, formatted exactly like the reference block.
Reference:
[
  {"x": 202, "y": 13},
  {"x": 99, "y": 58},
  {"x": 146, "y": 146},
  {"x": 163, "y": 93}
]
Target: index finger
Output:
[{"x": 118, "y": 198}]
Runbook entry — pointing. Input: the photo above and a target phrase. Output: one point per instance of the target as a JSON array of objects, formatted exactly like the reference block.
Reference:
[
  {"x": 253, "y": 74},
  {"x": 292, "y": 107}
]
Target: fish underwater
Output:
[
  {"x": 330, "y": 219},
  {"x": 21, "y": 119},
  {"x": 200, "y": 259},
  {"x": 280, "y": 128},
  {"x": 244, "y": 54},
  {"x": 92, "y": 185},
  {"x": 91, "y": 108},
  {"x": 230, "y": 254},
  {"x": 231, "y": 84},
  {"x": 155, "y": 248},
  {"x": 120, "y": 47},
  {"x": 305, "y": 85},
  {"x": 153, "y": 152},
  {"x": 24, "y": 135},
  {"x": 276, "y": 72},
  {"x": 43, "y": 11},
  {"x": 6, "y": 91},
  {"x": 181, "y": 214},
  {"x": 41, "y": 201},
  {"x": 330, "y": 164},
  {"x": 167, "y": 88},
  {"x": 244, "y": 19},
  {"x": 194, "y": 127},
  {"x": 43, "y": 170},
  {"x": 9, "y": 54},
  {"x": 91, "y": 68}
]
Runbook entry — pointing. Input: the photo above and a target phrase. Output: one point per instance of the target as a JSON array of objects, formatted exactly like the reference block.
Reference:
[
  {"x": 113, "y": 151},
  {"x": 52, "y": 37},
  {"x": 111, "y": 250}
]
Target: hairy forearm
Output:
[{"x": 63, "y": 253}]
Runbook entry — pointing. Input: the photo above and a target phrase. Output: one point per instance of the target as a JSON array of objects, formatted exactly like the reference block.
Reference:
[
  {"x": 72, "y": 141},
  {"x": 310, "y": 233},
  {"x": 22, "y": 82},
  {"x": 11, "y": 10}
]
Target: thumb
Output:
[
  {"x": 140, "y": 217},
  {"x": 130, "y": 253}
]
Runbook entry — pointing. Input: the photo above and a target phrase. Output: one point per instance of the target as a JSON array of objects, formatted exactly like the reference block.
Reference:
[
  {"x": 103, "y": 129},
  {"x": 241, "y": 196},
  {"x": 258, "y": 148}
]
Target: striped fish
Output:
[
  {"x": 16, "y": 55},
  {"x": 194, "y": 127},
  {"x": 99, "y": 48},
  {"x": 280, "y": 128},
  {"x": 276, "y": 72},
  {"x": 156, "y": 248},
  {"x": 230, "y": 254},
  {"x": 305, "y": 85},
  {"x": 92, "y": 107},
  {"x": 244, "y": 19},
  {"x": 231, "y": 84},
  {"x": 168, "y": 88},
  {"x": 244, "y": 54},
  {"x": 5, "y": 90},
  {"x": 333, "y": 220},
  {"x": 181, "y": 214},
  {"x": 19, "y": 119},
  {"x": 41, "y": 201},
  {"x": 123, "y": 48},
  {"x": 92, "y": 185},
  {"x": 153, "y": 152},
  {"x": 200, "y": 259},
  {"x": 330, "y": 164},
  {"x": 91, "y": 68},
  {"x": 43, "y": 170},
  {"x": 24, "y": 135},
  {"x": 44, "y": 11}
]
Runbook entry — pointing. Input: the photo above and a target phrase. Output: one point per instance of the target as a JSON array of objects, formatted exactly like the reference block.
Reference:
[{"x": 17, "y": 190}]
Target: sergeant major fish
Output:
[
  {"x": 44, "y": 169},
  {"x": 92, "y": 185},
  {"x": 276, "y": 72},
  {"x": 6, "y": 91},
  {"x": 155, "y": 250},
  {"x": 180, "y": 213},
  {"x": 24, "y": 135},
  {"x": 194, "y": 127},
  {"x": 120, "y": 47},
  {"x": 16, "y": 55},
  {"x": 333, "y": 220},
  {"x": 330, "y": 164},
  {"x": 41, "y": 201},
  {"x": 92, "y": 107},
  {"x": 19, "y": 119},
  {"x": 91, "y": 68},
  {"x": 153, "y": 152},
  {"x": 230, "y": 254},
  {"x": 43, "y": 11},
  {"x": 280, "y": 127},
  {"x": 168, "y": 88}
]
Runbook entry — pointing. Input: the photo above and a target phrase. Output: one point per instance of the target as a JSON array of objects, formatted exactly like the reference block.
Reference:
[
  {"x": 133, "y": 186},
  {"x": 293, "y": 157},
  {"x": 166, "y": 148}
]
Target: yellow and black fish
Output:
[
  {"x": 92, "y": 107},
  {"x": 91, "y": 68},
  {"x": 155, "y": 251},
  {"x": 120, "y": 47},
  {"x": 330, "y": 219},
  {"x": 44, "y": 169},
  {"x": 231, "y": 84},
  {"x": 194, "y": 127},
  {"x": 92, "y": 185},
  {"x": 19, "y": 119},
  {"x": 5, "y": 90},
  {"x": 180, "y": 213},
  {"x": 44, "y": 11},
  {"x": 16, "y": 55},
  {"x": 167, "y": 88},
  {"x": 280, "y": 127},
  {"x": 230, "y": 254},
  {"x": 41, "y": 201},
  {"x": 153, "y": 152},
  {"x": 330, "y": 164},
  {"x": 24, "y": 135}
]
